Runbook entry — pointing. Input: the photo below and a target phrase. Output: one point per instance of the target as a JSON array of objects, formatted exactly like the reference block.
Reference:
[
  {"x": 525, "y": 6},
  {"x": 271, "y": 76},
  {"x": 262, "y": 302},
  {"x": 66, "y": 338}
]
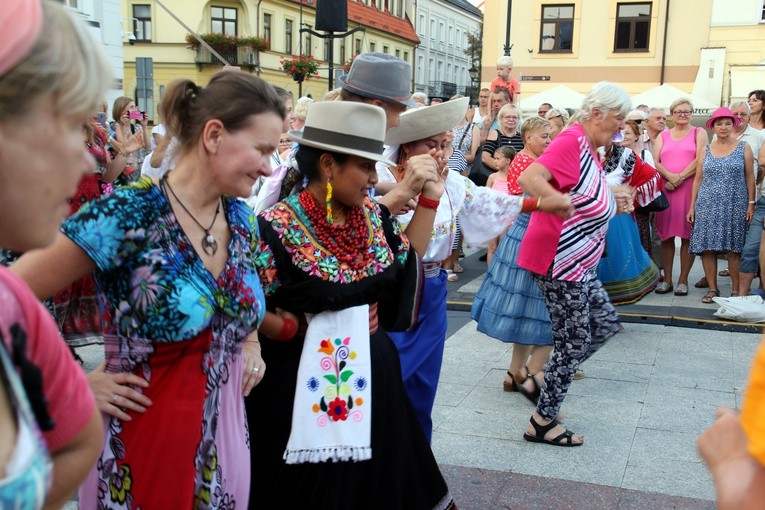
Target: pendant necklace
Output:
[{"x": 209, "y": 244}]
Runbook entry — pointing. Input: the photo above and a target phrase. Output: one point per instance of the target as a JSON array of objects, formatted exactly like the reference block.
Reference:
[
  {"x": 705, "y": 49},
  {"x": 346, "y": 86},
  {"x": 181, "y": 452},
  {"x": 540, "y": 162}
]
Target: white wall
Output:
[
  {"x": 736, "y": 12},
  {"x": 103, "y": 17}
]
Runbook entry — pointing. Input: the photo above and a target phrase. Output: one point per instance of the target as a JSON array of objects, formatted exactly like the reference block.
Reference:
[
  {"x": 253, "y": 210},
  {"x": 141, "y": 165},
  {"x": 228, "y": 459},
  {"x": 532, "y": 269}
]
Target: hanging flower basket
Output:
[
  {"x": 348, "y": 63},
  {"x": 221, "y": 42},
  {"x": 301, "y": 68}
]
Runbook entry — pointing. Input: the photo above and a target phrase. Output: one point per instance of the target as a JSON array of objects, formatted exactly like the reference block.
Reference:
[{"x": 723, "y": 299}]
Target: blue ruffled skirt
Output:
[{"x": 509, "y": 305}]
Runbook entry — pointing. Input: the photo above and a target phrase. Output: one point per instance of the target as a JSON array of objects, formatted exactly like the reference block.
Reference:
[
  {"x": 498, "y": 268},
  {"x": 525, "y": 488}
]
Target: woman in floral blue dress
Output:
[{"x": 181, "y": 302}]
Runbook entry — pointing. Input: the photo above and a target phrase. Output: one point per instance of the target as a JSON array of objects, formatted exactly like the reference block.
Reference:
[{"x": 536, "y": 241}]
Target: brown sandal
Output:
[
  {"x": 711, "y": 293},
  {"x": 509, "y": 385}
]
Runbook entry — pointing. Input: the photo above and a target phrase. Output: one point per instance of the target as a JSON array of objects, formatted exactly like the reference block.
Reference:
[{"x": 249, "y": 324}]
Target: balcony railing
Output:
[{"x": 240, "y": 56}]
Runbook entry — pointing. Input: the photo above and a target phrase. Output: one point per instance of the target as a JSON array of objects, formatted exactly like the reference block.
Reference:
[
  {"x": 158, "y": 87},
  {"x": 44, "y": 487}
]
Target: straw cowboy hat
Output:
[
  {"x": 345, "y": 127},
  {"x": 380, "y": 76},
  {"x": 427, "y": 121}
]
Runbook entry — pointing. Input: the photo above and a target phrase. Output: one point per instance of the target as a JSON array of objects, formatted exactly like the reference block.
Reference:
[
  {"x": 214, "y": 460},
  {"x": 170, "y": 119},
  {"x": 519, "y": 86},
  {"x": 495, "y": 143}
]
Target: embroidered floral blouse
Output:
[
  {"x": 298, "y": 274},
  {"x": 483, "y": 213}
]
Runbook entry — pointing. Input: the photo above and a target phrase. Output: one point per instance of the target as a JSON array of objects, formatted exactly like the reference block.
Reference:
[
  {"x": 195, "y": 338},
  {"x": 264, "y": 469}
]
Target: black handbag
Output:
[
  {"x": 479, "y": 173},
  {"x": 659, "y": 203}
]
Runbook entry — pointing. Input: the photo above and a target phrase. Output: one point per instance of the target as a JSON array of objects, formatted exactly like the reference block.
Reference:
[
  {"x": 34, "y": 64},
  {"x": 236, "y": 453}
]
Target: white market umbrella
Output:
[
  {"x": 663, "y": 95},
  {"x": 559, "y": 96}
]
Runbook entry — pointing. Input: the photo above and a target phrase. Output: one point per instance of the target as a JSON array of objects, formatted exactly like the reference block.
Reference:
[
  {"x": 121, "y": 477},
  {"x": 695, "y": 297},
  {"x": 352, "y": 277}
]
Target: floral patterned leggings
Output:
[{"x": 583, "y": 319}]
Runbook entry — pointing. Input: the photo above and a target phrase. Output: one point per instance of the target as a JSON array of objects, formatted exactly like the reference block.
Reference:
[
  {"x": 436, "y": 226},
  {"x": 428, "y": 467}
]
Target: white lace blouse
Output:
[{"x": 483, "y": 214}]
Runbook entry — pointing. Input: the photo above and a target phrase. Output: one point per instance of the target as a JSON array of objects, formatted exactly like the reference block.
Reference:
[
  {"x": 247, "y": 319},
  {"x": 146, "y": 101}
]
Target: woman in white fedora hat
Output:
[
  {"x": 483, "y": 215},
  {"x": 331, "y": 425}
]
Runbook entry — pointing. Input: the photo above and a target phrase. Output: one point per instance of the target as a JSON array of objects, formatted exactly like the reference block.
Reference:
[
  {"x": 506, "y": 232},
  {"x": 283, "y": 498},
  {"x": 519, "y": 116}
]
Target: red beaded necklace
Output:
[{"x": 348, "y": 242}]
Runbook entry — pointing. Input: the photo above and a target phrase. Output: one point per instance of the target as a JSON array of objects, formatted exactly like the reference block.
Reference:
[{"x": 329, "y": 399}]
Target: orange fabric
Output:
[
  {"x": 753, "y": 410},
  {"x": 512, "y": 85}
]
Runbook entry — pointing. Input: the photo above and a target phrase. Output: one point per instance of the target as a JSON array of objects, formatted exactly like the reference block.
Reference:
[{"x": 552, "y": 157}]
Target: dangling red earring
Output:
[{"x": 329, "y": 202}]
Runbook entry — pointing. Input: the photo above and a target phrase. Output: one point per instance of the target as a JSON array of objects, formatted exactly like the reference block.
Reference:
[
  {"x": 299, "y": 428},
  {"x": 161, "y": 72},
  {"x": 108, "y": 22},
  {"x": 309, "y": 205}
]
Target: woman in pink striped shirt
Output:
[{"x": 582, "y": 316}]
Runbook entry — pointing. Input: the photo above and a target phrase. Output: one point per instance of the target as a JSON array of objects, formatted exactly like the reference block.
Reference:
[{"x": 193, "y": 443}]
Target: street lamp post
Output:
[
  {"x": 475, "y": 76},
  {"x": 508, "y": 46}
]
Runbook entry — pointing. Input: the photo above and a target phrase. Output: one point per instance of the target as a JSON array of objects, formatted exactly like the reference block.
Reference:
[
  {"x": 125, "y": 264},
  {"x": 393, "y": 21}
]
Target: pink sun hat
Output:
[
  {"x": 723, "y": 112},
  {"x": 20, "y": 22}
]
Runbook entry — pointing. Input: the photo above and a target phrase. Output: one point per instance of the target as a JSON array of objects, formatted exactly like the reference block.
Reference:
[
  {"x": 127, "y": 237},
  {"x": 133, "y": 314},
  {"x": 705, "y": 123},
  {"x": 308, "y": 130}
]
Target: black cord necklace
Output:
[{"x": 209, "y": 244}]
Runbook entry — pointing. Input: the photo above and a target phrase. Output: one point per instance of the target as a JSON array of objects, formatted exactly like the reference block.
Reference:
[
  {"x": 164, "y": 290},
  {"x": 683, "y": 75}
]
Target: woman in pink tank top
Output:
[{"x": 676, "y": 153}]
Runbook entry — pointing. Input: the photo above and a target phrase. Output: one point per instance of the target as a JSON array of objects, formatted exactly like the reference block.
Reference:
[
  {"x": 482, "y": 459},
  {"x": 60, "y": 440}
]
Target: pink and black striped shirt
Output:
[{"x": 569, "y": 249}]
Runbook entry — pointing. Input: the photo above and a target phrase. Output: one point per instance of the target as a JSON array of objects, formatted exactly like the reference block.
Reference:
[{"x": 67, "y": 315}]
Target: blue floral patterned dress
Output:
[
  {"x": 720, "y": 222},
  {"x": 168, "y": 320}
]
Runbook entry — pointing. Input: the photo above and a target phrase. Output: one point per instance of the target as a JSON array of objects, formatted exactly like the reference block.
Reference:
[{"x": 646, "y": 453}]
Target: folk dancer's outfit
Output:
[
  {"x": 626, "y": 269},
  {"x": 330, "y": 424}
]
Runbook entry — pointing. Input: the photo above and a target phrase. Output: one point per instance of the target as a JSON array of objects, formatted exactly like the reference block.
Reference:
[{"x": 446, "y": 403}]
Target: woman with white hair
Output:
[
  {"x": 300, "y": 112},
  {"x": 483, "y": 214},
  {"x": 582, "y": 316}
]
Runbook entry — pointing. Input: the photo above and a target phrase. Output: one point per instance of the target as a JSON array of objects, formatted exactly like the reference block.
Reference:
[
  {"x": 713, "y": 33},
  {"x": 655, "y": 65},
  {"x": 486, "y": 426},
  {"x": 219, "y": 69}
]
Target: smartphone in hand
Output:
[
  {"x": 101, "y": 119},
  {"x": 135, "y": 114}
]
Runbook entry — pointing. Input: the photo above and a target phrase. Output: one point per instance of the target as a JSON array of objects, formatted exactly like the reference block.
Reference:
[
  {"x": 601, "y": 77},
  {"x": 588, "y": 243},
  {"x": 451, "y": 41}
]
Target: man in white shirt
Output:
[{"x": 654, "y": 124}]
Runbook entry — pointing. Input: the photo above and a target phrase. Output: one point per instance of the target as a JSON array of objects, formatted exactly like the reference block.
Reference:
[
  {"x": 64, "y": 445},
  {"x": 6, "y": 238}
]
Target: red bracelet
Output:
[
  {"x": 289, "y": 328},
  {"x": 530, "y": 204},
  {"x": 428, "y": 203}
]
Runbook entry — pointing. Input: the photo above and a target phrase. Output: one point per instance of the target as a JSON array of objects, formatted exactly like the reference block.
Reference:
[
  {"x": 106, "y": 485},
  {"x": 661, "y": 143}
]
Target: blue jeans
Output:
[{"x": 750, "y": 255}]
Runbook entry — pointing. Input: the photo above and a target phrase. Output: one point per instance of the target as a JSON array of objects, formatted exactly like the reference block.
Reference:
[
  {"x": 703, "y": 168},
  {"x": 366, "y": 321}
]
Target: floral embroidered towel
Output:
[{"x": 332, "y": 412}]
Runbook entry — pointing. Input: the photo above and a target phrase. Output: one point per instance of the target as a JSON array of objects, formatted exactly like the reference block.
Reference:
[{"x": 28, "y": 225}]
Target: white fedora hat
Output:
[
  {"x": 426, "y": 121},
  {"x": 346, "y": 127}
]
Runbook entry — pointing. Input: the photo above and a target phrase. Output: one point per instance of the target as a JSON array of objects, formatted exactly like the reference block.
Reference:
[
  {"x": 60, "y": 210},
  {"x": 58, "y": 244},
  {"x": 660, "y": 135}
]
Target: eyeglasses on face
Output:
[
  {"x": 681, "y": 113},
  {"x": 637, "y": 121}
]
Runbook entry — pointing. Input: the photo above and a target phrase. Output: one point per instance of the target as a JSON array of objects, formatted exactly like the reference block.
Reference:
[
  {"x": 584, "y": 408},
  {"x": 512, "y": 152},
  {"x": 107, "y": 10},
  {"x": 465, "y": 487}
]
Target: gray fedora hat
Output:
[
  {"x": 380, "y": 76},
  {"x": 347, "y": 127}
]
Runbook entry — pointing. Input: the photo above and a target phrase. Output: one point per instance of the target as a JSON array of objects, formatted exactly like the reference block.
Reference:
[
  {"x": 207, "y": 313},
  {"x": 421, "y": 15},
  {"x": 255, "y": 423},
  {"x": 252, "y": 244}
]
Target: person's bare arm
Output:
[
  {"x": 52, "y": 268},
  {"x": 114, "y": 167},
  {"x": 739, "y": 478},
  {"x": 159, "y": 153},
  {"x": 702, "y": 140},
  {"x": 73, "y": 461},
  {"x": 382, "y": 188},
  {"x": 419, "y": 169},
  {"x": 666, "y": 174},
  {"x": 750, "y": 187},
  {"x": 487, "y": 156},
  {"x": 475, "y": 142}
]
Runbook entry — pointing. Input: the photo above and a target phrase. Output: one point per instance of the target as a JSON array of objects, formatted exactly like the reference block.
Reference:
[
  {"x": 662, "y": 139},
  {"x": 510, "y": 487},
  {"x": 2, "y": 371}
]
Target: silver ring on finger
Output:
[
  {"x": 115, "y": 398},
  {"x": 255, "y": 369}
]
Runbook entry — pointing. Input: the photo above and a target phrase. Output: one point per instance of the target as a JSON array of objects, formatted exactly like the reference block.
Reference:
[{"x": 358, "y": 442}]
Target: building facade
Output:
[
  {"x": 442, "y": 63},
  {"x": 161, "y": 52},
  {"x": 712, "y": 49},
  {"x": 737, "y": 40},
  {"x": 104, "y": 19}
]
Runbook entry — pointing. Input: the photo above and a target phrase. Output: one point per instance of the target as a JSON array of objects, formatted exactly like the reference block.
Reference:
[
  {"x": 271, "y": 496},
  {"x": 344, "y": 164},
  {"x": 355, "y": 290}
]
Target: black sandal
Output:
[
  {"x": 510, "y": 386},
  {"x": 711, "y": 293},
  {"x": 541, "y": 430},
  {"x": 532, "y": 395}
]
